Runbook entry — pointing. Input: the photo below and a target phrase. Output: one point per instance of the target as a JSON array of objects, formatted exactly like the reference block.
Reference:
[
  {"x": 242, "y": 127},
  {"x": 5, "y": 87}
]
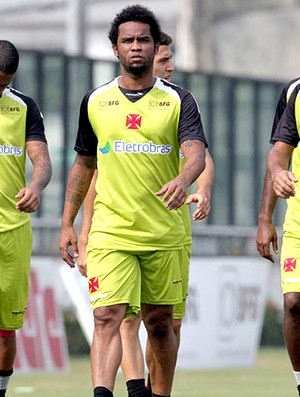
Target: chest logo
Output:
[{"x": 133, "y": 121}]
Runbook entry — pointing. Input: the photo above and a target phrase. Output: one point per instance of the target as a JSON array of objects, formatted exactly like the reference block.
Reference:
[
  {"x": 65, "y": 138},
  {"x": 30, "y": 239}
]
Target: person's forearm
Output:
[
  {"x": 78, "y": 184},
  {"x": 88, "y": 210},
  {"x": 268, "y": 201},
  {"x": 206, "y": 178},
  {"x": 41, "y": 164},
  {"x": 194, "y": 165}
]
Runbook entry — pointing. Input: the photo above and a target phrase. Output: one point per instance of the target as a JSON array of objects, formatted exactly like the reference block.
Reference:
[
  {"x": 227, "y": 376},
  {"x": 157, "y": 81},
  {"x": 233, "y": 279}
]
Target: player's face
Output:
[
  {"x": 163, "y": 63},
  {"x": 135, "y": 47},
  {"x": 5, "y": 80}
]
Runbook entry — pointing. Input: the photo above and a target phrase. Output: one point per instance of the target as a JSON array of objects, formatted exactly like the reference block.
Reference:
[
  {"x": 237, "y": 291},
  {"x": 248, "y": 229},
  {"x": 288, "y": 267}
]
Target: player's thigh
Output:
[
  {"x": 290, "y": 264},
  {"x": 15, "y": 253},
  {"x": 161, "y": 277},
  {"x": 114, "y": 278},
  {"x": 180, "y": 308}
]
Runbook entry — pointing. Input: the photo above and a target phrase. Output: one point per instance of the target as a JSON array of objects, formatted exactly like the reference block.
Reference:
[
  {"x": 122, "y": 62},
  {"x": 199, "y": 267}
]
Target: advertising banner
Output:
[{"x": 41, "y": 343}]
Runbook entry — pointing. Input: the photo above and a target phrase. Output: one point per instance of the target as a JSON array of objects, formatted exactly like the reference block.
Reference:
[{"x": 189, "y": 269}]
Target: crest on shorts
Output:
[
  {"x": 93, "y": 284},
  {"x": 289, "y": 264}
]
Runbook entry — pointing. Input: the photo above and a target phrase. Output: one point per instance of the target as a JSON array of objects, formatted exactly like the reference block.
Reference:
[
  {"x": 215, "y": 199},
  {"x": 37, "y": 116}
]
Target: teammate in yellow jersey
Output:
[
  {"x": 285, "y": 185},
  {"x": 266, "y": 232},
  {"x": 132, "y": 360},
  {"x": 134, "y": 127},
  {"x": 21, "y": 133}
]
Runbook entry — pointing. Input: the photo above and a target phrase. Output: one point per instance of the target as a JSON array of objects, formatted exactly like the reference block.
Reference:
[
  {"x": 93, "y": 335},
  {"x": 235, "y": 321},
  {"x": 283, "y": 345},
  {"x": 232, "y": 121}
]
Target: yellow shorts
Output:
[
  {"x": 15, "y": 253},
  {"x": 180, "y": 308},
  {"x": 290, "y": 264},
  {"x": 132, "y": 278}
]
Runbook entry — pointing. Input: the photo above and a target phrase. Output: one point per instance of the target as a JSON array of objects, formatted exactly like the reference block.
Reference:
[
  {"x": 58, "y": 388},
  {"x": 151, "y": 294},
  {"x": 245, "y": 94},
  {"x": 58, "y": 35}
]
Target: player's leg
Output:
[
  {"x": 114, "y": 288},
  {"x": 290, "y": 279},
  {"x": 106, "y": 349},
  {"x": 7, "y": 358},
  {"x": 161, "y": 289},
  {"x": 180, "y": 308},
  {"x": 15, "y": 252},
  {"x": 132, "y": 359},
  {"x": 161, "y": 337}
]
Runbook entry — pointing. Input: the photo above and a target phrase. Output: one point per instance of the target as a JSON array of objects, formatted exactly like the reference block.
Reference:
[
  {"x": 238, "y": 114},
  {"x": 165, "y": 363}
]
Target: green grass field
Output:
[{"x": 270, "y": 377}]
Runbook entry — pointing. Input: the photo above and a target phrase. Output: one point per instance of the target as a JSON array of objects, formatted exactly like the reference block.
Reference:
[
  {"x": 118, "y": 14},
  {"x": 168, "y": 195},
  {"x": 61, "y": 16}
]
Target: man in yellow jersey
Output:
[
  {"x": 163, "y": 67},
  {"x": 132, "y": 359},
  {"x": 21, "y": 132},
  {"x": 134, "y": 127},
  {"x": 285, "y": 185},
  {"x": 266, "y": 231}
]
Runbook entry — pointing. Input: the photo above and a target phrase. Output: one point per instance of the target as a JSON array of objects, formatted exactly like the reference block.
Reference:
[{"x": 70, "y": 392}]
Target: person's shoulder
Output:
[
  {"x": 170, "y": 86},
  {"x": 289, "y": 88},
  {"x": 102, "y": 88},
  {"x": 17, "y": 95}
]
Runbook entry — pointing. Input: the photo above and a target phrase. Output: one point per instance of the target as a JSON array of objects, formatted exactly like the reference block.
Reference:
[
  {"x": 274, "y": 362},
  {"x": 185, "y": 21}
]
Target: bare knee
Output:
[
  {"x": 130, "y": 327},
  {"x": 109, "y": 317},
  {"x": 292, "y": 304},
  {"x": 158, "y": 321},
  {"x": 177, "y": 326}
]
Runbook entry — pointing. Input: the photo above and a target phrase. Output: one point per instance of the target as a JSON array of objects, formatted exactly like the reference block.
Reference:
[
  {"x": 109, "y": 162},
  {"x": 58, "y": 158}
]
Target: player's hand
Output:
[
  {"x": 173, "y": 193},
  {"x": 81, "y": 262},
  {"x": 284, "y": 184},
  {"x": 265, "y": 236},
  {"x": 29, "y": 199},
  {"x": 203, "y": 205},
  {"x": 68, "y": 245}
]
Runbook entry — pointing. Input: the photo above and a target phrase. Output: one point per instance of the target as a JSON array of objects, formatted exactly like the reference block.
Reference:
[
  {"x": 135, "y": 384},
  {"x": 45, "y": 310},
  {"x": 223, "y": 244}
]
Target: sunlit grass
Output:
[{"x": 270, "y": 377}]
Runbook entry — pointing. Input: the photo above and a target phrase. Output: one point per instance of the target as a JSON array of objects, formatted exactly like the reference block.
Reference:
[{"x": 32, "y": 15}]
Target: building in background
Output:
[{"x": 257, "y": 39}]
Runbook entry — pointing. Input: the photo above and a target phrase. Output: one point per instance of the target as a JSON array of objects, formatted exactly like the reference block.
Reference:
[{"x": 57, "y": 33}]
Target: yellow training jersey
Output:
[
  {"x": 20, "y": 120},
  {"x": 288, "y": 131},
  {"x": 137, "y": 153}
]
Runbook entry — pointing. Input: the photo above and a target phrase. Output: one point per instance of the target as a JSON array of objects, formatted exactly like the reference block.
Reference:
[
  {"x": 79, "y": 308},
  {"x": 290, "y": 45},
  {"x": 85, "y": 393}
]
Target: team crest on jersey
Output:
[
  {"x": 93, "y": 284},
  {"x": 289, "y": 264},
  {"x": 133, "y": 121}
]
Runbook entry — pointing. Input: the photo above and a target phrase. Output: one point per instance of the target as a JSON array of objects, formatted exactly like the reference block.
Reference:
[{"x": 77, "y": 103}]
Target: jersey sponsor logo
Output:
[
  {"x": 107, "y": 104},
  {"x": 289, "y": 264},
  {"x": 146, "y": 147},
  {"x": 6, "y": 150},
  {"x": 93, "y": 285},
  {"x": 10, "y": 109},
  {"x": 105, "y": 149},
  {"x": 155, "y": 104},
  {"x": 133, "y": 121}
]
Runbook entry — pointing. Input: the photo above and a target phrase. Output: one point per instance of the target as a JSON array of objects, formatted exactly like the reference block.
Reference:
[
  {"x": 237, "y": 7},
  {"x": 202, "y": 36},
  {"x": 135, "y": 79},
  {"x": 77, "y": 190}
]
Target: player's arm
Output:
[
  {"x": 88, "y": 210},
  {"x": 278, "y": 166},
  {"x": 204, "y": 187},
  {"x": 29, "y": 196},
  {"x": 192, "y": 143},
  {"x": 78, "y": 183},
  {"x": 266, "y": 231},
  {"x": 174, "y": 192}
]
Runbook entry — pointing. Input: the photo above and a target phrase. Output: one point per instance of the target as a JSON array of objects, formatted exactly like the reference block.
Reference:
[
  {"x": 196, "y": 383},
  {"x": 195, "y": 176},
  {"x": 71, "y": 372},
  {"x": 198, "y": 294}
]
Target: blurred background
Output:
[{"x": 234, "y": 55}]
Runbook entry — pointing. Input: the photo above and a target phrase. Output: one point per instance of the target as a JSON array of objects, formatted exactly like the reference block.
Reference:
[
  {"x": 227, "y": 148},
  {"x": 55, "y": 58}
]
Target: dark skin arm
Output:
[
  {"x": 174, "y": 191},
  {"x": 78, "y": 183},
  {"x": 29, "y": 196},
  {"x": 278, "y": 166},
  {"x": 266, "y": 231}
]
